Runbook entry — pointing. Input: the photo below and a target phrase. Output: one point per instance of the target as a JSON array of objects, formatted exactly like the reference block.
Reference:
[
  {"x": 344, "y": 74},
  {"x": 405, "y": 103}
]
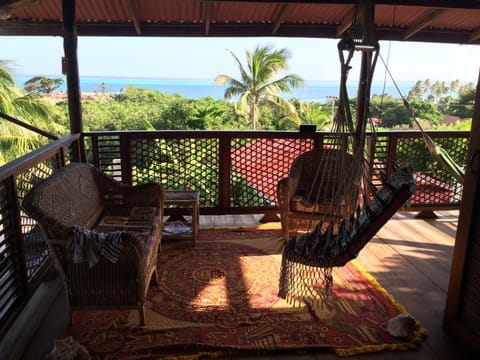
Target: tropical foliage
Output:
[
  {"x": 259, "y": 104},
  {"x": 260, "y": 82},
  {"x": 15, "y": 102},
  {"x": 42, "y": 85},
  {"x": 130, "y": 109}
]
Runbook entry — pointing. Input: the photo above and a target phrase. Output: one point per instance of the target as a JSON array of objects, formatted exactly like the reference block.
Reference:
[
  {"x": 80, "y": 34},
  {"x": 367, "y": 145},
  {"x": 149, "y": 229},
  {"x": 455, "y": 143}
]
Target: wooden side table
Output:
[{"x": 183, "y": 199}]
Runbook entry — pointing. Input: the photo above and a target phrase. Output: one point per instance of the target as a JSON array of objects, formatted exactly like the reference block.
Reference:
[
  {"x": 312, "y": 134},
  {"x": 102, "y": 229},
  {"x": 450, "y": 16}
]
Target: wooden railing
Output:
[
  {"x": 237, "y": 172},
  {"x": 24, "y": 256}
]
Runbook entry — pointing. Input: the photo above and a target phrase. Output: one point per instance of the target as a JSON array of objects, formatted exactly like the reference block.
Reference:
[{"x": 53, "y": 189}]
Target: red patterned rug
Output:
[{"x": 220, "y": 297}]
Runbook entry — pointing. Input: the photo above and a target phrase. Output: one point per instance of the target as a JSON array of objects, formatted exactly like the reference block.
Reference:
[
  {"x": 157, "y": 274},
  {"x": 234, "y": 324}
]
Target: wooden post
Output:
[
  {"x": 461, "y": 317},
  {"x": 71, "y": 62},
  {"x": 366, "y": 70}
]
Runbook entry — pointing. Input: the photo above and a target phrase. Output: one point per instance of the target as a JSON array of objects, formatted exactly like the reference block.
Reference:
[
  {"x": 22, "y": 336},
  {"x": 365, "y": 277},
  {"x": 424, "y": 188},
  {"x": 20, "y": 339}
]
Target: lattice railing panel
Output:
[
  {"x": 109, "y": 156},
  {"x": 258, "y": 164},
  {"x": 24, "y": 255},
  {"x": 34, "y": 247},
  {"x": 434, "y": 185},
  {"x": 378, "y": 157},
  {"x": 241, "y": 170},
  {"x": 178, "y": 164},
  {"x": 11, "y": 290}
]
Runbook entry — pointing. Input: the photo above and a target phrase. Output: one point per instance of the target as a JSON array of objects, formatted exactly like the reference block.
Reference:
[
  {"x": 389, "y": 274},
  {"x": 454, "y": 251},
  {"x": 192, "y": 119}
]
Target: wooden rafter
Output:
[
  {"x": 132, "y": 13},
  {"x": 279, "y": 16},
  {"x": 15, "y": 3},
  {"x": 345, "y": 24},
  {"x": 419, "y": 25},
  {"x": 21, "y": 17},
  {"x": 6, "y": 6},
  {"x": 206, "y": 15},
  {"x": 474, "y": 36}
]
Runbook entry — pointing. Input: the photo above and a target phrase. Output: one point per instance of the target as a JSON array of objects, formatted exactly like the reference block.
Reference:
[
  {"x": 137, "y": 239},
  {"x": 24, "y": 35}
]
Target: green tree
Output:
[
  {"x": 439, "y": 89},
  {"x": 259, "y": 81},
  {"x": 42, "y": 84},
  {"x": 417, "y": 92},
  {"x": 463, "y": 105},
  {"x": 311, "y": 112},
  {"x": 15, "y": 140},
  {"x": 454, "y": 86}
]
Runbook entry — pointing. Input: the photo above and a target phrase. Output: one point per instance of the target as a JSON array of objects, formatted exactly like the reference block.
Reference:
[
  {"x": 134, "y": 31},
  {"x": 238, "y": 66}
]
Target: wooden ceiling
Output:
[{"x": 412, "y": 20}]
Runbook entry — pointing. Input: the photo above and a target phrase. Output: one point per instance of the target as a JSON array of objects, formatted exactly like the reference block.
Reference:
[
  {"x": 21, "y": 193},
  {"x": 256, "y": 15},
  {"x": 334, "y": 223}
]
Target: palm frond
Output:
[
  {"x": 222, "y": 79},
  {"x": 244, "y": 75}
]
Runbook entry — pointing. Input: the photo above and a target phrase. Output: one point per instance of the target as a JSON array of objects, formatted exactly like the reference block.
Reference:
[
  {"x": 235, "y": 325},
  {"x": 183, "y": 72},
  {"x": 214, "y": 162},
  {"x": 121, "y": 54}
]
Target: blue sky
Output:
[{"x": 205, "y": 58}]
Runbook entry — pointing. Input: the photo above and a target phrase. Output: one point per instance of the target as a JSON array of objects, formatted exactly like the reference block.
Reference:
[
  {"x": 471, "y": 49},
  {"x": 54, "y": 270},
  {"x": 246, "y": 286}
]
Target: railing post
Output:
[
  {"x": 95, "y": 151},
  {"x": 126, "y": 159},
  {"x": 224, "y": 172},
  {"x": 391, "y": 153},
  {"x": 16, "y": 234}
]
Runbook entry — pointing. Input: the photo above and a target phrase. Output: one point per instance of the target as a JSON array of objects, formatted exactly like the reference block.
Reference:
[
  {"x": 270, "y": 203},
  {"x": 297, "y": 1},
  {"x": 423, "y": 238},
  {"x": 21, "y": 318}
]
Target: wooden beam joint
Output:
[
  {"x": 422, "y": 23},
  {"x": 132, "y": 13},
  {"x": 280, "y": 15}
]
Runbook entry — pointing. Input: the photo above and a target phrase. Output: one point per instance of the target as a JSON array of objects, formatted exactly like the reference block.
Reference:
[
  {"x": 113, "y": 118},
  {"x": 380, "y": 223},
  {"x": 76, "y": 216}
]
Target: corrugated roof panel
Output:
[
  {"x": 403, "y": 17},
  {"x": 44, "y": 10},
  {"x": 237, "y": 12},
  {"x": 399, "y": 16},
  {"x": 180, "y": 15},
  {"x": 457, "y": 19},
  {"x": 105, "y": 10},
  {"x": 317, "y": 13},
  {"x": 169, "y": 11}
]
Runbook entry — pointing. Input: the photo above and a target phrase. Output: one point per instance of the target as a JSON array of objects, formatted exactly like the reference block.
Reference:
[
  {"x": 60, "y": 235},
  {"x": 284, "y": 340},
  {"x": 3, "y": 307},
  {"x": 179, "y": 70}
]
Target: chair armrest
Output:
[
  {"x": 150, "y": 194},
  {"x": 287, "y": 187},
  {"x": 119, "y": 194},
  {"x": 284, "y": 191}
]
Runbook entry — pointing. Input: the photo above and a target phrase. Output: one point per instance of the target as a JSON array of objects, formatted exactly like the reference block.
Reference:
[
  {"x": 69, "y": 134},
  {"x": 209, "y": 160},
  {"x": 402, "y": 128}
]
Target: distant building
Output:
[
  {"x": 374, "y": 120},
  {"x": 450, "y": 119}
]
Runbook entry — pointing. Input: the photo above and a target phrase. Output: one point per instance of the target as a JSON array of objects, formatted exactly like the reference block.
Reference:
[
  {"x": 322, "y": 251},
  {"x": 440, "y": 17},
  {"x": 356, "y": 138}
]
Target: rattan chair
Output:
[
  {"x": 82, "y": 196},
  {"x": 310, "y": 190}
]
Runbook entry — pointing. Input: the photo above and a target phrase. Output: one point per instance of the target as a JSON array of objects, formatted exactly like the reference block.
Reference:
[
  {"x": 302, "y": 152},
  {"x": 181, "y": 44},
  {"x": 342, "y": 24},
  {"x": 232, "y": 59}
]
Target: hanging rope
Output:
[
  {"x": 349, "y": 218},
  {"x": 438, "y": 153}
]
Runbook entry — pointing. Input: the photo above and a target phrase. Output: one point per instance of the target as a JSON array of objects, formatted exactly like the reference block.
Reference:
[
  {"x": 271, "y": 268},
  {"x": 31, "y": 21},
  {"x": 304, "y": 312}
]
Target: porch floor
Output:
[{"x": 409, "y": 257}]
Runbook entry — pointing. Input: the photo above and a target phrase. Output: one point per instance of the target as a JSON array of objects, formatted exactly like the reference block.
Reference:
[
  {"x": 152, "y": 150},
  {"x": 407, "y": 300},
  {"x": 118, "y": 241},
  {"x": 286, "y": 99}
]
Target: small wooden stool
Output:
[{"x": 184, "y": 199}]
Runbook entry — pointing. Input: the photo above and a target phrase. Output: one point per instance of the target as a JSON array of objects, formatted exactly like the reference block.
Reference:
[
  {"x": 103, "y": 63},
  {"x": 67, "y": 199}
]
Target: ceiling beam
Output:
[
  {"x": 423, "y": 22},
  {"x": 132, "y": 13},
  {"x": 46, "y": 28},
  {"x": 279, "y": 16},
  {"x": 458, "y": 4},
  {"x": 451, "y": 4}
]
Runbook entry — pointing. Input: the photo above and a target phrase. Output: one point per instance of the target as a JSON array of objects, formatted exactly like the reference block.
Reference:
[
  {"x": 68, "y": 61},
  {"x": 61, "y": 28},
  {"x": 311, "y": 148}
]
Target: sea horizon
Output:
[{"x": 314, "y": 90}]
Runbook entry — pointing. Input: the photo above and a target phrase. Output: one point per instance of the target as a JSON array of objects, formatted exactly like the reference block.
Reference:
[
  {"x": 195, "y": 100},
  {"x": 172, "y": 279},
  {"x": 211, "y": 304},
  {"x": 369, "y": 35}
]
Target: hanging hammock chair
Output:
[{"x": 356, "y": 208}]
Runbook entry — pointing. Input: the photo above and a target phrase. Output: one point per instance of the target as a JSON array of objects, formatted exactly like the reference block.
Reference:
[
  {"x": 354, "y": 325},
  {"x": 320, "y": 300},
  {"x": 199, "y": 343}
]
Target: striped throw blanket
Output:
[{"x": 86, "y": 245}]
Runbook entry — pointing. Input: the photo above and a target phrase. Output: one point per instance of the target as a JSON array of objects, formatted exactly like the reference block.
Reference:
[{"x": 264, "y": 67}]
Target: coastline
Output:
[
  {"x": 56, "y": 97},
  {"x": 317, "y": 91}
]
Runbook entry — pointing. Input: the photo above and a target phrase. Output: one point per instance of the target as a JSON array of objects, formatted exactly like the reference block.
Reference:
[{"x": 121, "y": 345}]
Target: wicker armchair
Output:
[
  {"x": 79, "y": 195},
  {"x": 300, "y": 207}
]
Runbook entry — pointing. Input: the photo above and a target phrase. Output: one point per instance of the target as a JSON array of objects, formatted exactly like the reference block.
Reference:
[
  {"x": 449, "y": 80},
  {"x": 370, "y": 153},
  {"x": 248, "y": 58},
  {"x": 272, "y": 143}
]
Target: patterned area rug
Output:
[{"x": 220, "y": 297}]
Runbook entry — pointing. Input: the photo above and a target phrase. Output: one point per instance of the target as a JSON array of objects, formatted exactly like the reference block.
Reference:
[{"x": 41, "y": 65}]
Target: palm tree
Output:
[
  {"x": 259, "y": 83},
  {"x": 15, "y": 140}
]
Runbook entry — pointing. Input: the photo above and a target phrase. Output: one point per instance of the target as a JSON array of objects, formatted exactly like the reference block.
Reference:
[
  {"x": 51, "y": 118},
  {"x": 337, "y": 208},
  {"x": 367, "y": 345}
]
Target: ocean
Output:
[{"x": 315, "y": 90}]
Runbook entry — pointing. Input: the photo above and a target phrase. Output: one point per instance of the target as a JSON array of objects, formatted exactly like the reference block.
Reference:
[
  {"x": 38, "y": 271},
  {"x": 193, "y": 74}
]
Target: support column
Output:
[
  {"x": 366, "y": 71},
  {"x": 71, "y": 62}
]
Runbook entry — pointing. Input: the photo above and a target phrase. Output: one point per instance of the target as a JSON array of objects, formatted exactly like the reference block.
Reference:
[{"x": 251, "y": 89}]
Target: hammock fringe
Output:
[{"x": 307, "y": 259}]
